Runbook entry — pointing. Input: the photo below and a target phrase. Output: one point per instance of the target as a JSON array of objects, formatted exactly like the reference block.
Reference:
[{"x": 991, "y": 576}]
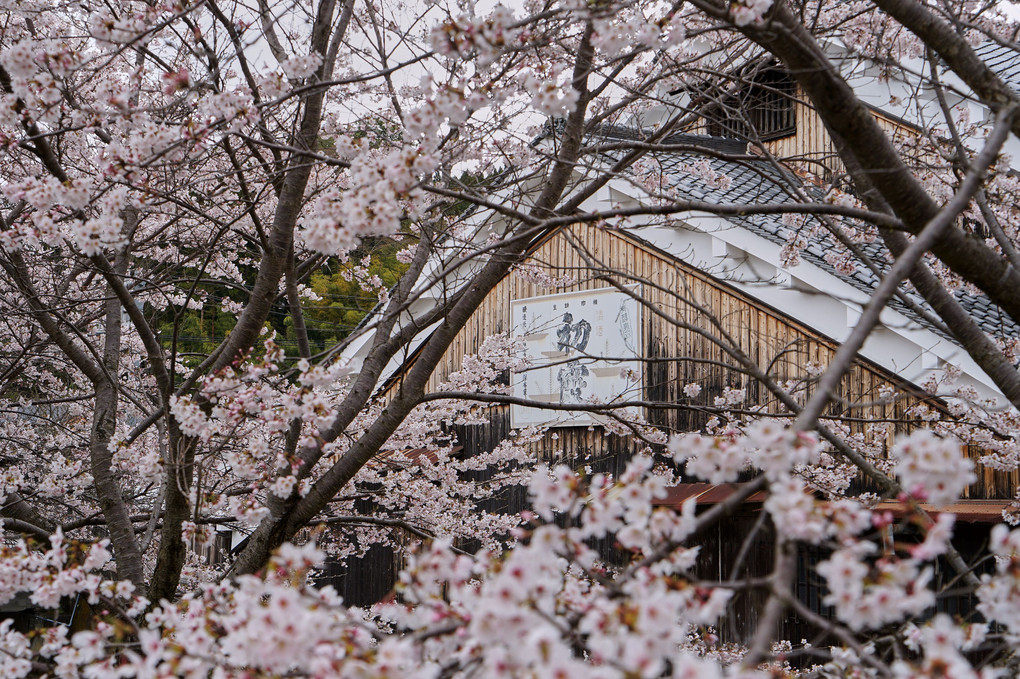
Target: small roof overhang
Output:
[
  {"x": 705, "y": 494},
  {"x": 966, "y": 511}
]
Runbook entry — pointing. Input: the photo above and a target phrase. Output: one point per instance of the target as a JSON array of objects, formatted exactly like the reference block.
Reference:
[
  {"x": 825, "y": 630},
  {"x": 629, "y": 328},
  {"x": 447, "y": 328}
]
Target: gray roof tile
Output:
[
  {"x": 757, "y": 182},
  {"x": 1003, "y": 60}
]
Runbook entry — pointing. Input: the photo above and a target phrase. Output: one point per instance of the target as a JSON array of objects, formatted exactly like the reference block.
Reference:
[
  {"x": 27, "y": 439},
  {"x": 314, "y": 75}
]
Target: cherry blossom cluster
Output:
[
  {"x": 943, "y": 644},
  {"x": 933, "y": 468},
  {"x": 420, "y": 477},
  {"x": 630, "y": 28},
  {"x": 374, "y": 204},
  {"x": 747, "y": 12},
  {"x": 524, "y": 611},
  {"x": 153, "y": 136},
  {"x": 540, "y": 276},
  {"x": 766, "y": 444},
  {"x": 702, "y": 169},
  {"x": 481, "y": 39},
  {"x": 423, "y": 479},
  {"x": 731, "y": 396},
  {"x": 551, "y": 93},
  {"x": 299, "y": 67},
  {"x": 869, "y": 595},
  {"x": 1000, "y": 591}
]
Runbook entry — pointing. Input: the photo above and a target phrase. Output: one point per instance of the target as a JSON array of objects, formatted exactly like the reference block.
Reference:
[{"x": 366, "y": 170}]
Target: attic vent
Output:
[{"x": 762, "y": 108}]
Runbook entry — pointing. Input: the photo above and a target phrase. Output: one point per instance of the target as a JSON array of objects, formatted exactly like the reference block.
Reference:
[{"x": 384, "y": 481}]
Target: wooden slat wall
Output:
[
  {"x": 811, "y": 148},
  {"x": 679, "y": 355}
]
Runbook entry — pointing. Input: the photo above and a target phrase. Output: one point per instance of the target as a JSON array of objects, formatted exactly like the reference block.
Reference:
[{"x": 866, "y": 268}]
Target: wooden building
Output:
[
  {"x": 718, "y": 301},
  {"x": 696, "y": 329}
]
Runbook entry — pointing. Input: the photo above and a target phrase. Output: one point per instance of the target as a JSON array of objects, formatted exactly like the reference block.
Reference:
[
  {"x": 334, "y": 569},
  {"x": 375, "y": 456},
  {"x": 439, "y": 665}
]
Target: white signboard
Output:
[{"x": 582, "y": 347}]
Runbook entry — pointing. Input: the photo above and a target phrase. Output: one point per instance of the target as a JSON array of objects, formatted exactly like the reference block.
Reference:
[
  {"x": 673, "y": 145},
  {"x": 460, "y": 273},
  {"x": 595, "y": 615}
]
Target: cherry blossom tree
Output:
[{"x": 170, "y": 159}]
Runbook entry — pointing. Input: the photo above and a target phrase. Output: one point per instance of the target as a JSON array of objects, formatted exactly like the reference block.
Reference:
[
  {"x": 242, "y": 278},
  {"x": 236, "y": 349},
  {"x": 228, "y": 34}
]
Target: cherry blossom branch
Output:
[
  {"x": 17, "y": 508},
  {"x": 846, "y": 116},
  {"x": 901, "y": 269},
  {"x": 21, "y": 526},
  {"x": 273, "y": 531},
  {"x": 957, "y": 54},
  {"x": 959, "y": 165},
  {"x": 727, "y": 344}
]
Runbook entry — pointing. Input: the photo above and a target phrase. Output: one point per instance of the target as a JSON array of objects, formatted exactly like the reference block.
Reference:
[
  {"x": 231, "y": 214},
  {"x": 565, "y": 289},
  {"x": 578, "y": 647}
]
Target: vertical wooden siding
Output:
[
  {"x": 680, "y": 353},
  {"x": 811, "y": 147}
]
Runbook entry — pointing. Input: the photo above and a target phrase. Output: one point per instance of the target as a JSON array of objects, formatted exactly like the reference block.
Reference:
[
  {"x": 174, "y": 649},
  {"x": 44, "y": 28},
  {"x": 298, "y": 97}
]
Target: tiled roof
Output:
[
  {"x": 1003, "y": 60},
  {"x": 722, "y": 145},
  {"x": 757, "y": 182}
]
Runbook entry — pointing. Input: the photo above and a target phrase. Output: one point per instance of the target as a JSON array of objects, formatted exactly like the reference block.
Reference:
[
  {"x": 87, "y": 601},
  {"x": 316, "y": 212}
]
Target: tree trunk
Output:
[{"x": 104, "y": 425}]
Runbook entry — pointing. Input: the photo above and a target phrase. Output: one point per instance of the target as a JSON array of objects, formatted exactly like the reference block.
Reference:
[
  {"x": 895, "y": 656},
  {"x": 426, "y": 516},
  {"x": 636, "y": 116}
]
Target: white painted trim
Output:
[
  {"x": 815, "y": 298},
  {"x": 806, "y": 293}
]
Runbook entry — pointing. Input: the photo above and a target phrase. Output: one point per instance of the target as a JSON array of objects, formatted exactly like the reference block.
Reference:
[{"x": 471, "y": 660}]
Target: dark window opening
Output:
[
  {"x": 763, "y": 108},
  {"x": 976, "y": 227}
]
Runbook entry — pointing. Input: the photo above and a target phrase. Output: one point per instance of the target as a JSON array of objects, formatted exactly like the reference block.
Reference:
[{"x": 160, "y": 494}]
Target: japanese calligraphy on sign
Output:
[{"x": 582, "y": 348}]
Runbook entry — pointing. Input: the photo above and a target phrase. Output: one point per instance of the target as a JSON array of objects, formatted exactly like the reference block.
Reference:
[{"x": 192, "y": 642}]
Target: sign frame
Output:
[{"x": 585, "y": 346}]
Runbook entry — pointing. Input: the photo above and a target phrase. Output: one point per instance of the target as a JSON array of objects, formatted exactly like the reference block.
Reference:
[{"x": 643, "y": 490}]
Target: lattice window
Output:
[{"x": 763, "y": 108}]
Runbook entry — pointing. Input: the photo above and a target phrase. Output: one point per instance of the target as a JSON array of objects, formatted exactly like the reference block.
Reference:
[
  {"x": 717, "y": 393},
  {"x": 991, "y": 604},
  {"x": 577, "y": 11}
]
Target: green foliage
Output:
[
  {"x": 199, "y": 330},
  {"x": 345, "y": 303}
]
